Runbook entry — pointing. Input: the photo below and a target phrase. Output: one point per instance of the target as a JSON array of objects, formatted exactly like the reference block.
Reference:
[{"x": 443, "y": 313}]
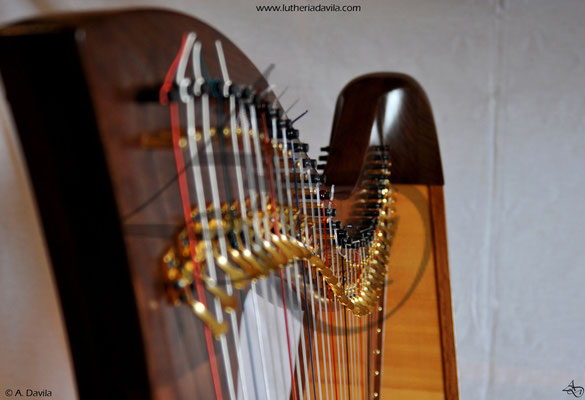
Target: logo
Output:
[{"x": 576, "y": 391}]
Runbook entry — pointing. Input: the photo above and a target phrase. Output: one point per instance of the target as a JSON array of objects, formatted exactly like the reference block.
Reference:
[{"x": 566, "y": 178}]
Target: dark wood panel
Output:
[
  {"x": 72, "y": 81},
  {"x": 407, "y": 126},
  {"x": 53, "y": 113},
  {"x": 438, "y": 223}
]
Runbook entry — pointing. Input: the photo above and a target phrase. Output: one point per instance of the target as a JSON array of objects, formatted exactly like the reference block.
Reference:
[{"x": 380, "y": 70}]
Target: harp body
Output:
[{"x": 97, "y": 148}]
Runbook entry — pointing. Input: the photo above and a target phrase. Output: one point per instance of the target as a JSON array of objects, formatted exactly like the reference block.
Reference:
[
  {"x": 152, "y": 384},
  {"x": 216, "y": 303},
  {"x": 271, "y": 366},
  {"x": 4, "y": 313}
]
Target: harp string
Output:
[
  {"x": 337, "y": 306},
  {"x": 321, "y": 291},
  {"x": 305, "y": 367},
  {"x": 363, "y": 325},
  {"x": 257, "y": 247},
  {"x": 274, "y": 170},
  {"x": 349, "y": 334},
  {"x": 351, "y": 326},
  {"x": 216, "y": 209},
  {"x": 345, "y": 276},
  {"x": 186, "y": 204},
  {"x": 303, "y": 265},
  {"x": 320, "y": 294},
  {"x": 271, "y": 294},
  {"x": 221, "y": 125},
  {"x": 353, "y": 334},
  {"x": 359, "y": 321},
  {"x": 310, "y": 274},
  {"x": 284, "y": 154},
  {"x": 327, "y": 300},
  {"x": 355, "y": 258},
  {"x": 342, "y": 373}
]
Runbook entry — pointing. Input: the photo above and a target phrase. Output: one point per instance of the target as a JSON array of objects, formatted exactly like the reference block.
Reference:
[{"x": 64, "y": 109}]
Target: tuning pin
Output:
[
  {"x": 381, "y": 148},
  {"x": 292, "y": 134},
  {"x": 370, "y": 213},
  {"x": 325, "y": 149},
  {"x": 237, "y": 91},
  {"x": 336, "y": 224},
  {"x": 319, "y": 179},
  {"x": 285, "y": 123},
  {"x": 301, "y": 147},
  {"x": 246, "y": 94},
  {"x": 330, "y": 212},
  {"x": 309, "y": 163},
  {"x": 315, "y": 178},
  {"x": 272, "y": 111}
]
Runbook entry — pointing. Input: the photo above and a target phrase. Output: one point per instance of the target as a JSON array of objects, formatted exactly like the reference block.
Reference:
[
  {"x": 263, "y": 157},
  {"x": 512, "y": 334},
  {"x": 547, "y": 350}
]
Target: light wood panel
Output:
[{"x": 414, "y": 357}]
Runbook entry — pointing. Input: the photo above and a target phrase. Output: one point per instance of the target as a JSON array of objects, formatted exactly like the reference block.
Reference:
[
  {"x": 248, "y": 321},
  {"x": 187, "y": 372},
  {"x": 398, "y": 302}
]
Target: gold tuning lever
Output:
[
  {"x": 228, "y": 302},
  {"x": 343, "y": 299},
  {"x": 248, "y": 264},
  {"x": 263, "y": 258},
  {"x": 217, "y": 328},
  {"x": 238, "y": 277},
  {"x": 282, "y": 246},
  {"x": 298, "y": 251},
  {"x": 279, "y": 260}
]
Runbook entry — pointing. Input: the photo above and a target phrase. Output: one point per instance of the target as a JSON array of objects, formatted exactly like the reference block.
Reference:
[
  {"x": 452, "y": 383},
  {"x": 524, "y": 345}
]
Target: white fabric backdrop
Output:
[{"x": 506, "y": 81}]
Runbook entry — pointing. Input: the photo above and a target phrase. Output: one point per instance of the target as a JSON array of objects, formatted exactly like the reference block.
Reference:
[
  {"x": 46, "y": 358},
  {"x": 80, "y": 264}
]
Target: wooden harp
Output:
[{"x": 172, "y": 256}]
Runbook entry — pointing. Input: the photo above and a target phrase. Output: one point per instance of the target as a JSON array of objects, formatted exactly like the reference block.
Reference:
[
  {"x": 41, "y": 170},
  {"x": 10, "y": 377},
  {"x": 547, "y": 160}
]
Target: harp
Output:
[{"x": 198, "y": 251}]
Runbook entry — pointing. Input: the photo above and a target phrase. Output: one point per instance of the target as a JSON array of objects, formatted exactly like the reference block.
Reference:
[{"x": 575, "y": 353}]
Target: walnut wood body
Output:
[{"x": 71, "y": 81}]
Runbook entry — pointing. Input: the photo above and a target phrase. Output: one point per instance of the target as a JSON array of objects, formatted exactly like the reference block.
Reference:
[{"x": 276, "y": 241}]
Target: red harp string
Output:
[{"x": 186, "y": 203}]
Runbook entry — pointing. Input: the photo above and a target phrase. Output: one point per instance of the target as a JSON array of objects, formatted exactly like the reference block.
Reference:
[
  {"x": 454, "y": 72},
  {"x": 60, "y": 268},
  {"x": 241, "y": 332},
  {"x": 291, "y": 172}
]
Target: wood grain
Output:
[
  {"x": 406, "y": 125},
  {"x": 419, "y": 361},
  {"x": 438, "y": 222},
  {"x": 79, "y": 123}
]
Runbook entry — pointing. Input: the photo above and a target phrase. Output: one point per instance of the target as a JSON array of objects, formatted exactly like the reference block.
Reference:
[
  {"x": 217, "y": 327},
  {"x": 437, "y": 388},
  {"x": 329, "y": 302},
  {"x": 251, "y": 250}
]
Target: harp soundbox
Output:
[{"x": 199, "y": 252}]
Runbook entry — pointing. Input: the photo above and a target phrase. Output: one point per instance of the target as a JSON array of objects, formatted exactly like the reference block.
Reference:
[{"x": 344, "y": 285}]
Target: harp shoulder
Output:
[{"x": 384, "y": 108}]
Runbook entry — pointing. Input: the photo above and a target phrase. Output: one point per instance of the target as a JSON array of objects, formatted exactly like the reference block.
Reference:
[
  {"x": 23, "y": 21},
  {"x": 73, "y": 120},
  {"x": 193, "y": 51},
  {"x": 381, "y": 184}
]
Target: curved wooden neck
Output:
[{"x": 390, "y": 109}]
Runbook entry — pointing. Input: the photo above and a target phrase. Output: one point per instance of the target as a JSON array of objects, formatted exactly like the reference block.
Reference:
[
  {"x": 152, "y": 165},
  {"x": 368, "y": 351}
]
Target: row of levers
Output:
[{"x": 264, "y": 207}]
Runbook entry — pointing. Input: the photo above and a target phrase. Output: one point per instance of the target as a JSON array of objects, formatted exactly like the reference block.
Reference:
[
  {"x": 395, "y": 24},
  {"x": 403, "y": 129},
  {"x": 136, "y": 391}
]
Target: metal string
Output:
[
  {"x": 179, "y": 64},
  {"x": 309, "y": 272},
  {"x": 317, "y": 280},
  {"x": 338, "y": 307},
  {"x": 328, "y": 301},
  {"x": 276, "y": 162},
  {"x": 323, "y": 296},
  {"x": 267, "y": 230},
  {"x": 295, "y": 263},
  {"x": 345, "y": 276},
  {"x": 241, "y": 196},
  {"x": 207, "y": 144},
  {"x": 303, "y": 268},
  {"x": 253, "y": 195}
]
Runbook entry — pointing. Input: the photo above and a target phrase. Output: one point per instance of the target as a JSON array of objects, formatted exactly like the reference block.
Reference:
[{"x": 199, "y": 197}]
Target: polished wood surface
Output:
[
  {"x": 392, "y": 110},
  {"x": 81, "y": 126},
  {"x": 439, "y": 224},
  {"x": 418, "y": 352},
  {"x": 364, "y": 116}
]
